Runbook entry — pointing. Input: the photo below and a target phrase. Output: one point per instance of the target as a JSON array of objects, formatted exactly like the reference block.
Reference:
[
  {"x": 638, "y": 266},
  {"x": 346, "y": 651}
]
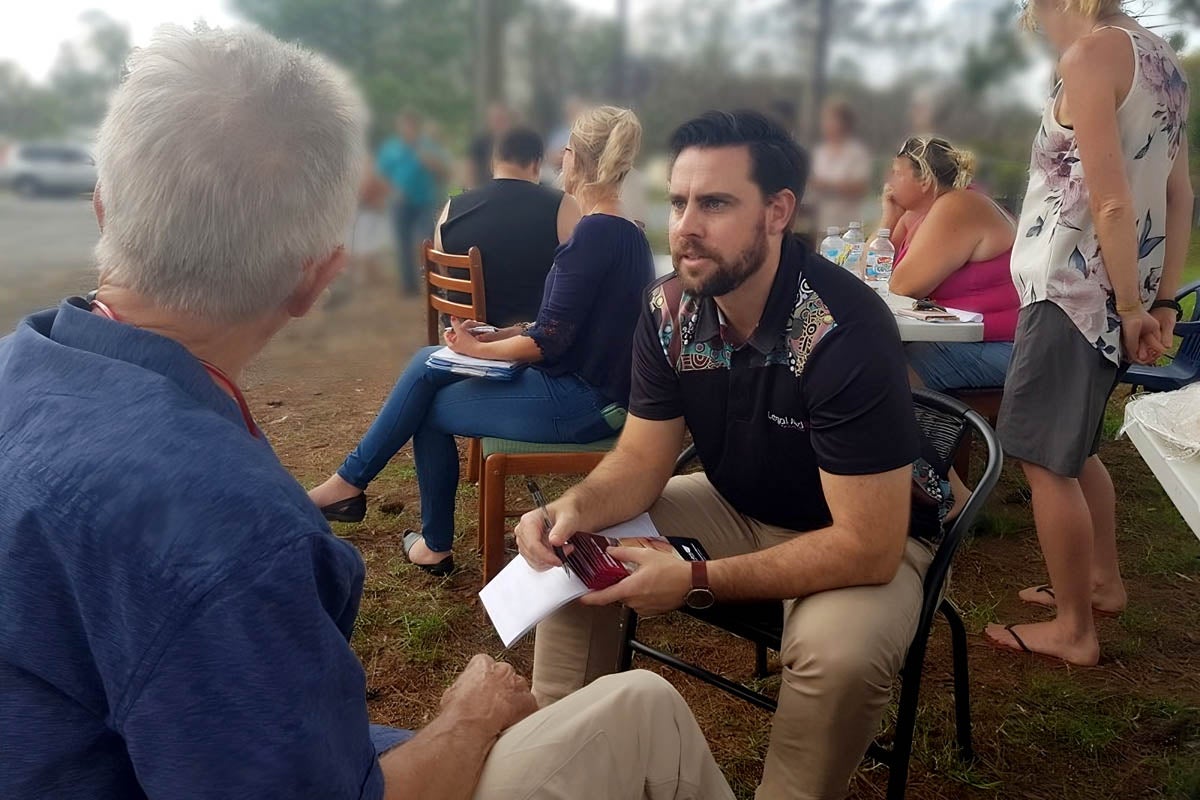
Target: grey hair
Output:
[{"x": 227, "y": 162}]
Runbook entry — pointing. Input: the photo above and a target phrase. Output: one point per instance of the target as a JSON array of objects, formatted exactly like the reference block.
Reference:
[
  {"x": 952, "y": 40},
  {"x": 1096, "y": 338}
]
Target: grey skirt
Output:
[{"x": 1057, "y": 388}]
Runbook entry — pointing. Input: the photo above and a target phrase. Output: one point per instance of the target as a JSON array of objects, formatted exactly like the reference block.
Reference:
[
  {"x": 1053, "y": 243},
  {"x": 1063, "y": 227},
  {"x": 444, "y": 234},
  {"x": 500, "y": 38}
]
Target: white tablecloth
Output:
[
  {"x": 1180, "y": 478},
  {"x": 911, "y": 330}
]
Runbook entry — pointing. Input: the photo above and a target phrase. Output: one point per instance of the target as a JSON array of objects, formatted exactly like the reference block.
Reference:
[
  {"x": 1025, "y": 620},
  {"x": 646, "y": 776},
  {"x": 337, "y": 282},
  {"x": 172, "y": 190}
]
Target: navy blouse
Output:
[{"x": 591, "y": 304}]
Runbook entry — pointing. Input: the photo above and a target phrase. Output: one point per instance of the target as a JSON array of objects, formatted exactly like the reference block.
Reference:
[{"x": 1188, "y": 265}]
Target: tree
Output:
[
  {"x": 86, "y": 72},
  {"x": 404, "y": 53},
  {"x": 27, "y": 111},
  {"x": 82, "y": 77}
]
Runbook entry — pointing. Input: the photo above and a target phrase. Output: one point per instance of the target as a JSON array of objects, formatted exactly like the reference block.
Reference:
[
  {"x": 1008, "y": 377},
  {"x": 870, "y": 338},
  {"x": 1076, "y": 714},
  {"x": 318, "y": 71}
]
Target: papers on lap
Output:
[
  {"x": 450, "y": 361},
  {"x": 520, "y": 597}
]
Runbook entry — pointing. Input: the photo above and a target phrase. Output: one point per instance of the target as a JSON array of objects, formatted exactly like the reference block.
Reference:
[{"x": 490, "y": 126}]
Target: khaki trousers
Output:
[
  {"x": 624, "y": 737},
  {"x": 842, "y": 649}
]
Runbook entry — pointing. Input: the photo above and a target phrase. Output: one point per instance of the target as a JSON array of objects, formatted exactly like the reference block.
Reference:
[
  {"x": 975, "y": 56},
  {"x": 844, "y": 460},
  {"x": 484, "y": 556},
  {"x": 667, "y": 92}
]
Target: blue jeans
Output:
[
  {"x": 412, "y": 225},
  {"x": 946, "y": 366},
  {"x": 431, "y": 407}
]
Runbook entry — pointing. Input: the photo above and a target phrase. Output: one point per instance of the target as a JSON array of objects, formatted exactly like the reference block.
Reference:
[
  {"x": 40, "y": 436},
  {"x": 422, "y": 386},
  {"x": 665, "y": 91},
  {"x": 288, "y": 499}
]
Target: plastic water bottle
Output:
[
  {"x": 881, "y": 254},
  {"x": 831, "y": 248},
  {"x": 854, "y": 259}
]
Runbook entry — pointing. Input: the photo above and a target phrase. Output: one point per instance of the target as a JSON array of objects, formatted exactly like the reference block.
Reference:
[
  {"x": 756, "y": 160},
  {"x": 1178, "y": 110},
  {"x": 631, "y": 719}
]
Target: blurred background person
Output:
[
  {"x": 1104, "y": 234},
  {"x": 499, "y": 120},
  {"x": 579, "y": 352},
  {"x": 410, "y": 165},
  {"x": 369, "y": 238},
  {"x": 556, "y": 142},
  {"x": 953, "y": 247},
  {"x": 841, "y": 169},
  {"x": 923, "y": 111},
  {"x": 516, "y": 223}
]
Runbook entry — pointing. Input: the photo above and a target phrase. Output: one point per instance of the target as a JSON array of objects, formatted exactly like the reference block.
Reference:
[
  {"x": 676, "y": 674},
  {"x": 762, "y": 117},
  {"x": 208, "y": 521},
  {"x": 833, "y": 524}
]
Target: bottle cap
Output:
[
  {"x": 833, "y": 230},
  {"x": 855, "y": 224},
  {"x": 885, "y": 233}
]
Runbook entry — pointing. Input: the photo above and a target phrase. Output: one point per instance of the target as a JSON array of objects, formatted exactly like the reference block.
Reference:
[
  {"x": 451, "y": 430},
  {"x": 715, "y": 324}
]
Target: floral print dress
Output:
[{"x": 1057, "y": 254}]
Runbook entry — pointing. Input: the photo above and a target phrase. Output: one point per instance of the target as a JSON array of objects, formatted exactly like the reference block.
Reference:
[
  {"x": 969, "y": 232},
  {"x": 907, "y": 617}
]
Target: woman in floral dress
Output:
[{"x": 1098, "y": 259}]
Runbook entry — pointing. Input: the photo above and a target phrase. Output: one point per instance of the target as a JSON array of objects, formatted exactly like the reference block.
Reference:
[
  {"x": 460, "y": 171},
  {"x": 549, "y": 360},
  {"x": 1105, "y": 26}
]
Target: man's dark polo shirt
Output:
[{"x": 821, "y": 385}]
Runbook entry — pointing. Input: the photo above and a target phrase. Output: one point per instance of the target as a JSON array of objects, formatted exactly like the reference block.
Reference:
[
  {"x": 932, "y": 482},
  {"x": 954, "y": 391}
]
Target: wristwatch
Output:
[
  {"x": 1168, "y": 304},
  {"x": 700, "y": 597}
]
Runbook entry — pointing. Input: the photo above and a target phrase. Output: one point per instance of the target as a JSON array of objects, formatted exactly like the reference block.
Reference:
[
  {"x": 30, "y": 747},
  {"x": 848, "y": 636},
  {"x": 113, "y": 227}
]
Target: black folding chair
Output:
[{"x": 944, "y": 421}]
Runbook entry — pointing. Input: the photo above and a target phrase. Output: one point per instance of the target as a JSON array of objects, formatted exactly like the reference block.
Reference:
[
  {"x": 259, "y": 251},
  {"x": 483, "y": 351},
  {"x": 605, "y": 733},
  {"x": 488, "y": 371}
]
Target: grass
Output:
[{"x": 1191, "y": 270}]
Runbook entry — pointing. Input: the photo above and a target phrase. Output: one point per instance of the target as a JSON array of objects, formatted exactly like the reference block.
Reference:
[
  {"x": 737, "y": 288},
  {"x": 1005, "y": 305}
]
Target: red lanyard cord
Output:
[{"x": 213, "y": 370}]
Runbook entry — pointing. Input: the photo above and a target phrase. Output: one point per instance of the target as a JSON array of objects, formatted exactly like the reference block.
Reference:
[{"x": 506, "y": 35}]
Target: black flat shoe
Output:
[
  {"x": 439, "y": 570},
  {"x": 351, "y": 510}
]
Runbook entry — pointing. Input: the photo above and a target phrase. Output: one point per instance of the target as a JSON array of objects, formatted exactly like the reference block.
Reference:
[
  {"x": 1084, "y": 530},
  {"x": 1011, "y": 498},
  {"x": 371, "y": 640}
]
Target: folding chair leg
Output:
[
  {"x": 760, "y": 660},
  {"x": 962, "y": 685},
  {"x": 906, "y": 722},
  {"x": 962, "y": 458},
  {"x": 628, "y": 634},
  {"x": 491, "y": 524}
]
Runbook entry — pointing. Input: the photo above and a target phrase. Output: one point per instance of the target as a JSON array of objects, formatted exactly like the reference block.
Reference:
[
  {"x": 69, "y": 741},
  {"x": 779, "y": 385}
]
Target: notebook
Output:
[{"x": 449, "y": 361}]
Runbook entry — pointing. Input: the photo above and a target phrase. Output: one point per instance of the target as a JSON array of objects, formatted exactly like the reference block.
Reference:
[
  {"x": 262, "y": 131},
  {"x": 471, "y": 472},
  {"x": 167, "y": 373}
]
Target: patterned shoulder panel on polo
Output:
[{"x": 691, "y": 346}]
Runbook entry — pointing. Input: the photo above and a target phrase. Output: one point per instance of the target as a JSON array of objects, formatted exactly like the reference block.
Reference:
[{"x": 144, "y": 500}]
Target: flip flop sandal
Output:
[
  {"x": 1045, "y": 589},
  {"x": 998, "y": 645},
  {"x": 439, "y": 570}
]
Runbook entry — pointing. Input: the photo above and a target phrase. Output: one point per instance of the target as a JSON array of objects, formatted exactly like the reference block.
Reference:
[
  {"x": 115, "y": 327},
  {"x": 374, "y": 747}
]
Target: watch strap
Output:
[
  {"x": 1172, "y": 304},
  {"x": 700, "y": 575}
]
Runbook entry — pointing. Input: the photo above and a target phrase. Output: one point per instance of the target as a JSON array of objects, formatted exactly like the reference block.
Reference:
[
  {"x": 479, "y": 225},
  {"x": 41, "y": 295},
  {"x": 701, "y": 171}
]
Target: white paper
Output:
[
  {"x": 639, "y": 526},
  {"x": 520, "y": 597},
  {"x": 965, "y": 316}
]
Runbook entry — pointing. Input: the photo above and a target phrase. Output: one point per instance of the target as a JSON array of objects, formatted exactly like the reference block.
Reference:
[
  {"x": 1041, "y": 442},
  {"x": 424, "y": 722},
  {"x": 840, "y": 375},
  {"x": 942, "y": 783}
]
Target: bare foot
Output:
[
  {"x": 1106, "y": 600},
  {"x": 1046, "y": 639},
  {"x": 333, "y": 490}
]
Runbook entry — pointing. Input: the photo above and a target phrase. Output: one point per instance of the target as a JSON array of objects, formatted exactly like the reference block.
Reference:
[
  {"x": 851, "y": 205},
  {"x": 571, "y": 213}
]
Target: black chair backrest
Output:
[
  {"x": 1189, "y": 326},
  {"x": 944, "y": 421}
]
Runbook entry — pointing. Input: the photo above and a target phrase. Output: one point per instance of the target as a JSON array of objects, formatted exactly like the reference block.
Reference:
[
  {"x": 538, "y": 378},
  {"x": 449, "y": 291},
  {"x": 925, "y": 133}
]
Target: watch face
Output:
[{"x": 700, "y": 599}]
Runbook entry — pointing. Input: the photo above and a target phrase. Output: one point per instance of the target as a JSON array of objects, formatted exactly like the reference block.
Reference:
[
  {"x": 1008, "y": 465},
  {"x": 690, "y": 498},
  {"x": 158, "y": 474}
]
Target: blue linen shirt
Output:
[{"x": 176, "y": 612}]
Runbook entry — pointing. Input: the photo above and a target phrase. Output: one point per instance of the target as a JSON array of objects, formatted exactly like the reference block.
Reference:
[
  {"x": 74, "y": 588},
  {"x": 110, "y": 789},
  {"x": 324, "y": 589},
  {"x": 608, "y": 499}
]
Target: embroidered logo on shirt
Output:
[{"x": 786, "y": 421}]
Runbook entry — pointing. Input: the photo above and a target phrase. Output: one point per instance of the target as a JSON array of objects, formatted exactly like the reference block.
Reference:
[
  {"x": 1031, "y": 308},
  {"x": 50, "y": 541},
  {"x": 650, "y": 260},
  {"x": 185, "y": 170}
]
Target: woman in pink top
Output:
[{"x": 953, "y": 247}]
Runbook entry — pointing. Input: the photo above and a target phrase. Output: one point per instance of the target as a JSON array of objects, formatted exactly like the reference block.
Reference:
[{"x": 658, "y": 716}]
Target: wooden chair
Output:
[
  {"x": 437, "y": 276},
  {"x": 499, "y": 458},
  {"x": 491, "y": 460}
]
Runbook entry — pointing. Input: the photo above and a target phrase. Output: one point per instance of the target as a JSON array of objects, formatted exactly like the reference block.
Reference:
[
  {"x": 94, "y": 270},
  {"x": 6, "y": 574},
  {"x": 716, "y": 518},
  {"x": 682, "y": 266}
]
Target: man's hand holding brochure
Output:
[{"x": 600, "y": 568}]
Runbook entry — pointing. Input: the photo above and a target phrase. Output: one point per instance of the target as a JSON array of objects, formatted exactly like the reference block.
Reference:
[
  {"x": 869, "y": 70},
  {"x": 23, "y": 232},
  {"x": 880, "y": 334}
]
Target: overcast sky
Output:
[{"x": 33, "y": 29}]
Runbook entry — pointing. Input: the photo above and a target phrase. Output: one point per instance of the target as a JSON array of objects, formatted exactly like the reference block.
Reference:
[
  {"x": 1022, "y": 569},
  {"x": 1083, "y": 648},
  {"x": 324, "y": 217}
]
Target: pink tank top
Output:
[{"x": 984, "y": 287}]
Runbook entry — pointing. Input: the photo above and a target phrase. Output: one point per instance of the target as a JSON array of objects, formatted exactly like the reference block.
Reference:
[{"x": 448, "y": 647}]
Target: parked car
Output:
[{"x": 37, "y": 168}]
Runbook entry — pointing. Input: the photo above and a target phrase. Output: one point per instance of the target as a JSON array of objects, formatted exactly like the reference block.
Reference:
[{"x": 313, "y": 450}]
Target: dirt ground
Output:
[{"x": 1129, "y": 728}]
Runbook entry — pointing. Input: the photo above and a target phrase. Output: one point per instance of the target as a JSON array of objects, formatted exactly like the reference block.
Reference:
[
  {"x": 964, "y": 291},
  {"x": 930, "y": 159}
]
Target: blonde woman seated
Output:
[
  {"x": 579, "y": 351},
  {"x": 952, "y": 246}
]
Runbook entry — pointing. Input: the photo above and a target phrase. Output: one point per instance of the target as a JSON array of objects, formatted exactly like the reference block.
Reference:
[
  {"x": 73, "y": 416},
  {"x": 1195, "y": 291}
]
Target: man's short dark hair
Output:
[
  {"x": 520, "y": 146},
  {"x": 777, "y": 161}
]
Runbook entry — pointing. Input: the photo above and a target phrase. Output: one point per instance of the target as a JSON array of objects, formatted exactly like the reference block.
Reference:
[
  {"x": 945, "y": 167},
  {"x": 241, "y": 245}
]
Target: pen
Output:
[{"x": 540, "y": 499}]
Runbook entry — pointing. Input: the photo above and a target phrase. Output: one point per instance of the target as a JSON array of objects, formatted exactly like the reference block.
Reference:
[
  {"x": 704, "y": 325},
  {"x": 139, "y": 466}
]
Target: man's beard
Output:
[{"x": 728, "y": 275}]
